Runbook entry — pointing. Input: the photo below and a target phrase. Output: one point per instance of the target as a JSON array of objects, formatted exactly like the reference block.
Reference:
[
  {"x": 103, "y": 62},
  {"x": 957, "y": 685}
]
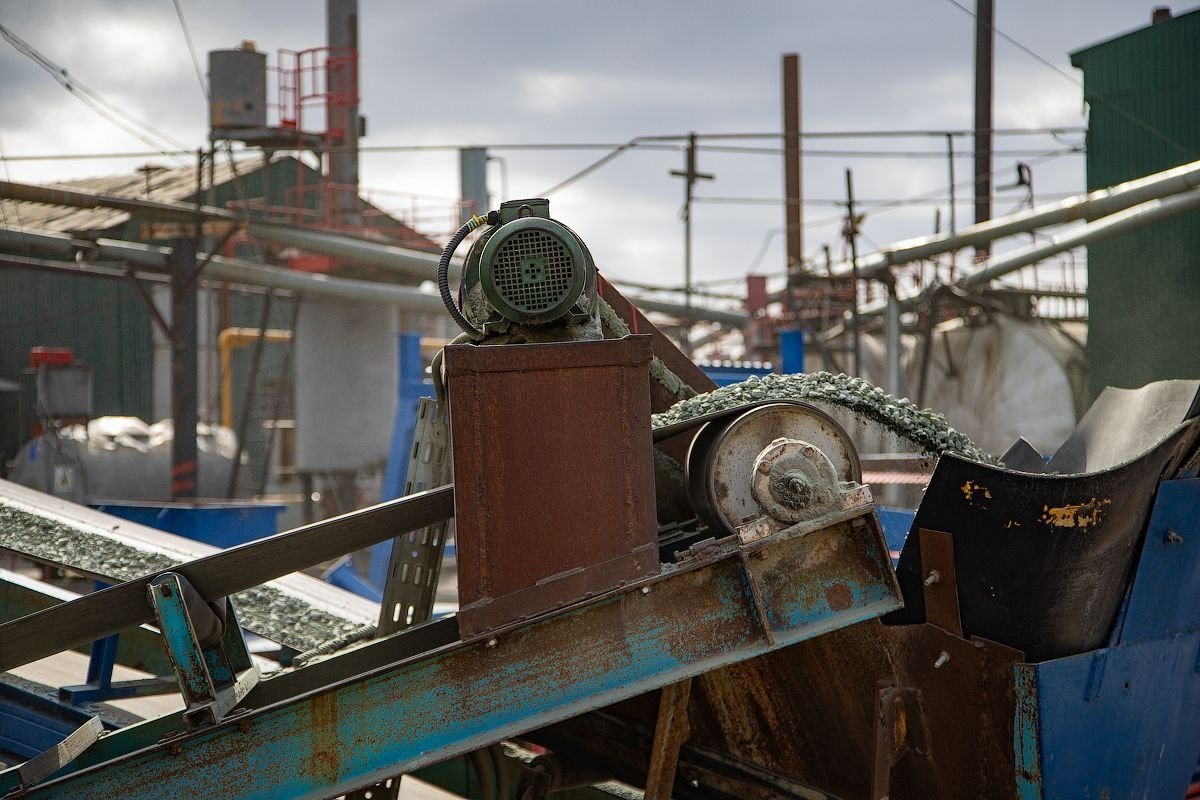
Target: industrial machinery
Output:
[
  {"x": 671, "y": 591},
  {"x": 525, "y": 270}
]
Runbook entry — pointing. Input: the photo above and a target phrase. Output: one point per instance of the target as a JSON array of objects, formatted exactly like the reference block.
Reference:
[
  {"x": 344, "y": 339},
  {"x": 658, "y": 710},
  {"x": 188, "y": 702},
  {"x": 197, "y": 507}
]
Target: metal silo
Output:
[{"x": 237, "y": 84}]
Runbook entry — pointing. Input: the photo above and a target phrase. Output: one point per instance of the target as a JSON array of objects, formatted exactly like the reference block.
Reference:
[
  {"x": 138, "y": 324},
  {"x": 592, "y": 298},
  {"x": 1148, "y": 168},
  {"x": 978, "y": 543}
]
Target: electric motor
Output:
[{"x": 528, "y": 269}]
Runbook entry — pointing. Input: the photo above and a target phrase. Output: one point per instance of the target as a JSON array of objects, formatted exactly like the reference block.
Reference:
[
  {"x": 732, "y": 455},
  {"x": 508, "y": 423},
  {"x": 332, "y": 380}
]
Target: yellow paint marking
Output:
[
  {"x": 1078, "y": 515},
  {"x": 970, "y": 489}
]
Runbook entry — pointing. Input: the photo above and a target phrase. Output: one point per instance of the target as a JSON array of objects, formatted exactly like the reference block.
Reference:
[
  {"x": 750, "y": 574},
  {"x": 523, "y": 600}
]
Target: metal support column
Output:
[
  {"x": 984, "y": 38},
  {"x": 953, "y": 198},
  {"x": 851, "y": 233},
  {"x": 670, "y": 732},
  {"x": 892, "y": 337},
  {"x": 472, "y": 181},
  {"x": 341, "y": 26},
  {"x": 184, "y": 365}
]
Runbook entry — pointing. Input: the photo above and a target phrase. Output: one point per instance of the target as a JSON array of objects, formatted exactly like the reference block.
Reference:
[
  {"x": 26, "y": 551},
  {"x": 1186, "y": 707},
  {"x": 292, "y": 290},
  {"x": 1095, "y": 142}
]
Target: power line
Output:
[
  {"x": 773, "y": 151},
  {"x": 873, "y": 134},
  {"x": 607, "y": 146},
  {"x": 104, "y": 108},
  {"x": 590, "y": 168},
  {"x": 938, "y": 154},
  {"x": 809, "y": 201},
  {"x": 1041, "y": 59},
  {"x": 187, "y": 36}
]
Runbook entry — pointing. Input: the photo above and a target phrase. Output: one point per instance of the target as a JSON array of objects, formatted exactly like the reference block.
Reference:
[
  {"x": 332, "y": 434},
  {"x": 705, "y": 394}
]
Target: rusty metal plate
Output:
[
  {"x": 803, "y": 721},
  {"x": 940, "y": 581},
  {"x": 552, "y": 457},
  {"x": 363, "y": 715}
]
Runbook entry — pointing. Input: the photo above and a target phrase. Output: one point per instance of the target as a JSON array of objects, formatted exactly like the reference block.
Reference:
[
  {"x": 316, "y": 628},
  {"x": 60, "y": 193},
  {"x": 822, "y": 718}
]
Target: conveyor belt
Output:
[{"x": 296, "y": 610}]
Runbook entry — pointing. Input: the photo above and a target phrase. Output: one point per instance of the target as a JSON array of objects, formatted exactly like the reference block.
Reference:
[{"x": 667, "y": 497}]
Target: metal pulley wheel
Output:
[{"x": 784, "y": 460}]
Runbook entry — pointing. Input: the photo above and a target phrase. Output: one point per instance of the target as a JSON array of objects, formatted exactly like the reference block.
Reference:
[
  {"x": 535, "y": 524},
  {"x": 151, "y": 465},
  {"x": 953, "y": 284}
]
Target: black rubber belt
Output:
[{"x": 125, "y": 605}]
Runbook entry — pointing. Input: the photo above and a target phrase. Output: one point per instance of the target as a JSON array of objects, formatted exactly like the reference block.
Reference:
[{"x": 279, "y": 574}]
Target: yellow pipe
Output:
[{"x": 232, "y": 338}]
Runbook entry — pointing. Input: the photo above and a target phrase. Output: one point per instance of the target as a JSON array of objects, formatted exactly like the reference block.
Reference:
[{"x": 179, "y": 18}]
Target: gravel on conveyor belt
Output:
[
  {"x": 924, "y": 427},
  {"x": 263, "y": 609}
]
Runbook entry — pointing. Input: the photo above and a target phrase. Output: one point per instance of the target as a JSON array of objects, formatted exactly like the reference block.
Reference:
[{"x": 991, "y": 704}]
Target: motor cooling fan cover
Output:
[{"x": 533, "y": 270}]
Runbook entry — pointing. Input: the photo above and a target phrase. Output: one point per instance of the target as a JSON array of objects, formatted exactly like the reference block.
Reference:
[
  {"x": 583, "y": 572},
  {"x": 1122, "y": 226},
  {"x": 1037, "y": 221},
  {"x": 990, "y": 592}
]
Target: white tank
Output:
[
  {"x": 1005, "y": 378},
  {"x": 121, "y": 458}
]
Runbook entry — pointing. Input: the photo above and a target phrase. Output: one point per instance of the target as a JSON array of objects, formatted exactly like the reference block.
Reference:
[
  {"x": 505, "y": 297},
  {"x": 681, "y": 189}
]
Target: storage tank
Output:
[
  {"x": 237, "y": 87},
  {"x": 122, "y": 458},
  {"x": 1006, "y": 378}
]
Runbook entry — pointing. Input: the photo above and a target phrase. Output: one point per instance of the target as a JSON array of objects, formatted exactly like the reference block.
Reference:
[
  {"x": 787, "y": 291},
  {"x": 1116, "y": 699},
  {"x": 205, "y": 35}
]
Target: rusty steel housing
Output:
[{"x": 555, "y": 498}]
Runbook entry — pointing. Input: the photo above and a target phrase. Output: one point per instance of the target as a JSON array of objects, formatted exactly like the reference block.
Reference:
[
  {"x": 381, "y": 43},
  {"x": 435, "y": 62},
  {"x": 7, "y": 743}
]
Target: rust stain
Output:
[
  {"x": 839, "y": 596},
  {"x": 1077, "y": 515},
  {"x": 899, "y": 726},
  {"x": 326, "y": 762}
]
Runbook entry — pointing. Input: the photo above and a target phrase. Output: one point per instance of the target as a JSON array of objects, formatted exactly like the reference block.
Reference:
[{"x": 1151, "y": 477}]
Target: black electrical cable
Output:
[{"x": 443, "y": 276}]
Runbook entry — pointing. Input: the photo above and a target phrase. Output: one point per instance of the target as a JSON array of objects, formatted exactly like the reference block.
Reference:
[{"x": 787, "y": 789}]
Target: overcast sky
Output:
[{"x": 473, "y": 72}]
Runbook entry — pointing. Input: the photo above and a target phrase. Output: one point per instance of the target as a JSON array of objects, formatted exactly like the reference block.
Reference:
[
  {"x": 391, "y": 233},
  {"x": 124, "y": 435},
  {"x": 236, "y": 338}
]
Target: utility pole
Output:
[
  {"x": 690, "y": 176},
  {"x": 984, "y": 38},
  {"x": 953, "y": 201},
  {"x": 793, "y": 188},
  {"x": 851, "y": 233},
  {"x": 793, "y": 215}
]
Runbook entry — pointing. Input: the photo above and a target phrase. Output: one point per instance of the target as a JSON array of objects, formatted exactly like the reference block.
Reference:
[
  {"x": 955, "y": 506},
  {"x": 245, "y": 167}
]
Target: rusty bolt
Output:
[
  {"x": 165, "y": 588},
  {"x": 1172, "y": 537},
  {"x": 810, "y": 451},
  {"x": 933, "y": 577},
  {"x": 176, "y": 748},
  {"x": 492, "y": 642},
  {"x": 244, "y": 726},
  {"x": 942, "y": 658},
  {"x": 764, "y": 467}
]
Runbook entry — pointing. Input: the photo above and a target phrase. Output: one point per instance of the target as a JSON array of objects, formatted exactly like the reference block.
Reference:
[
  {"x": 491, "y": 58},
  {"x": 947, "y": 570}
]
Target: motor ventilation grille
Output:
[{"x": 534, "y": 271}]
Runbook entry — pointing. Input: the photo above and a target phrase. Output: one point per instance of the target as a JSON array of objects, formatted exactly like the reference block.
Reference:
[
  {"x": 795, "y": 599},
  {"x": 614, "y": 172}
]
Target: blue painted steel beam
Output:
[
  {"x": 791, "y": 351},
  {"x": 726, "y": 604},
  {"x": 1122, "y": 721},
  {"x": 195, "y": 682},
  {"x": 411, "y": 387}
]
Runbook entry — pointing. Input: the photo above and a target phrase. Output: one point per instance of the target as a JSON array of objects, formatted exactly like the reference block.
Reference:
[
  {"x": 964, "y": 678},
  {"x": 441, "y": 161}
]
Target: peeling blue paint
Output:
[{"x": 455, "y": 699}]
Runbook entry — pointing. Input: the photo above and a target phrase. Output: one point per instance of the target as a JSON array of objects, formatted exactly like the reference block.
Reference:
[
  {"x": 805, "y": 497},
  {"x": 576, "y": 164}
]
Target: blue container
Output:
[
  {"x": 724, "y": 373},
  {"x": 222, "y": 524}
]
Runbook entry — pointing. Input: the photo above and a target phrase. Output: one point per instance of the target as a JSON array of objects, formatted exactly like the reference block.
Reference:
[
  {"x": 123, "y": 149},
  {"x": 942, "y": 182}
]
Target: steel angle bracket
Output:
[
  {"x": 214, "y": 679},
  {"x": 306, "y": 738}
]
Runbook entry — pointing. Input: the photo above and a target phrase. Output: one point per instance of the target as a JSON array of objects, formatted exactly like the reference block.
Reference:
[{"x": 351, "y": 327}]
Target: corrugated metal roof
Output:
[
  {"x": 165, "y": 185},
  {"x": 244, "y": 182}
]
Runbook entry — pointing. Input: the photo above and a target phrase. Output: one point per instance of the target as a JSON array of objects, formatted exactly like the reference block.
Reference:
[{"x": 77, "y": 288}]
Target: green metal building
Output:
[
  {"x": 105, "y": 322},
  {"x": 1143, "y": 95}
]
